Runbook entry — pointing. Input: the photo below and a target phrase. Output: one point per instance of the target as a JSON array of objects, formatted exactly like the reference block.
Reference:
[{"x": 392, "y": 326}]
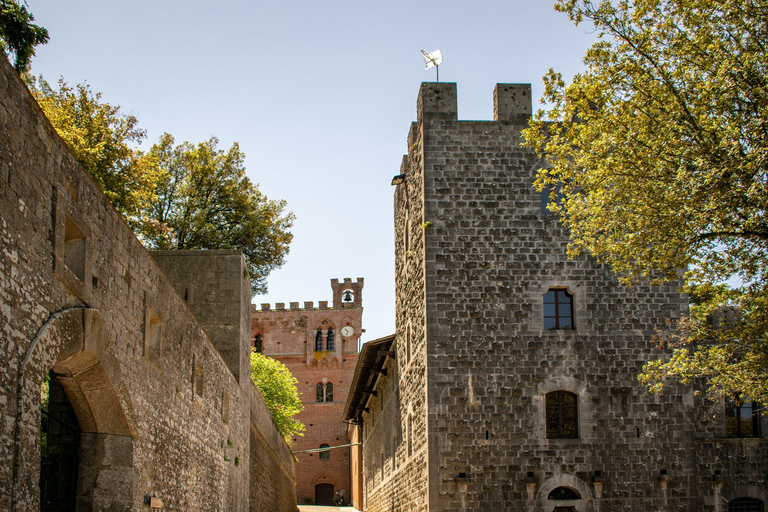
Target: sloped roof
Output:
[{"x": 369, "y": 367}]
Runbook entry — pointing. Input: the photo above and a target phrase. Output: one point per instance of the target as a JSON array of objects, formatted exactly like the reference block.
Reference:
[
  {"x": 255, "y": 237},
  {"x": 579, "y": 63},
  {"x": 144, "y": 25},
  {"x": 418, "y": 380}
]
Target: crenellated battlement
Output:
[{"x": 346, "y": 294}]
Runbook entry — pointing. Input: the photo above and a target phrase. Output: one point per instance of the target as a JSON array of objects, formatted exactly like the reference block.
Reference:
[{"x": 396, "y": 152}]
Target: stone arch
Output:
[
  {"x": 585, "y": 409},
  {"x": 571, "y": 482},
  {"x": 324, "y": 478},
  {"x": 74, "y": 345}
]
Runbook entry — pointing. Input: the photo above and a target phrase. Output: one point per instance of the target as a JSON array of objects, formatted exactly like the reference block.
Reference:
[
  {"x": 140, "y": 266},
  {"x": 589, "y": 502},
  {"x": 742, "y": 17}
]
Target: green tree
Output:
[
  {"x": 660, "y": 149},
  {"x": 18, "y": 35},
  {"x": 205, "y": 201},
  {"x": 102, "y": 139},
  {"x": 278, "y": 387}
]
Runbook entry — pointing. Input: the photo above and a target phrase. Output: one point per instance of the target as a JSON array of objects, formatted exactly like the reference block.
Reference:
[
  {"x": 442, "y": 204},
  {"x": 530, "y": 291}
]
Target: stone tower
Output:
[
  {"x": 515, "y": 380},
  {"x": 319, "y": 347}
]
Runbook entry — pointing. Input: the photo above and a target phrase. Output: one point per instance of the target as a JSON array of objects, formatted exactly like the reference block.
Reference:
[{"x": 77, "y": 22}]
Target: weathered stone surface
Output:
[
  {"x": 459, "y": 422},
  {"x": 81, "y": 297}
]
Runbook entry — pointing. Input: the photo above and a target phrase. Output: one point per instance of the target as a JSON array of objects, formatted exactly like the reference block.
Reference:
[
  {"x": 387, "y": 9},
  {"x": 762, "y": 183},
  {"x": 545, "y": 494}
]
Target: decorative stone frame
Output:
[
  {"x": 72, "y": 248},
  {"x": 584, "y": 409},
  {"x": 585, "y": 504},
  {"x": 580, "y": 316}
]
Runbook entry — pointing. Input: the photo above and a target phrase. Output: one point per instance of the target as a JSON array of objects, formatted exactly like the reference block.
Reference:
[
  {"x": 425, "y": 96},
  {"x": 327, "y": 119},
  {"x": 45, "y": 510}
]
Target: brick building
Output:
[
  {"x": 512, "y": 380},
  {"x": 320, "y": 348}
]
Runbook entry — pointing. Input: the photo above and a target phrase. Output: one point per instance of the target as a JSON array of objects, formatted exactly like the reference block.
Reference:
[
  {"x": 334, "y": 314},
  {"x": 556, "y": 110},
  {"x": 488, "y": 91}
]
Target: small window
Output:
[
  {"x": 746, "y": 505},
  {"x": 558, "y": 310},
  {"x": 394, "y": 453},
  {"x": 326, "y": 453},
  {"x": 324, "y": 393},
  {"x": 562, "y": 415},
  {"x": 563, "y": 493},
  {"x": 257, "y": 344},
  {"x": 330, "y": 343},
  {"x": 742, "y": 419},
  {"x": 319, "y": 341},
  {"x": 410, "y": 435},
  {"x": 546, "y": 198}
]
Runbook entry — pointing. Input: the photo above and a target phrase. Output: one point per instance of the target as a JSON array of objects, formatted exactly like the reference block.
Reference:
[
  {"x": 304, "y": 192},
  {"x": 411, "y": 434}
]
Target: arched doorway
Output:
[
  {"x": 324, "y": 494},
  {"x": 59, "y": 449},
  {"x": 73, "y": 345}
]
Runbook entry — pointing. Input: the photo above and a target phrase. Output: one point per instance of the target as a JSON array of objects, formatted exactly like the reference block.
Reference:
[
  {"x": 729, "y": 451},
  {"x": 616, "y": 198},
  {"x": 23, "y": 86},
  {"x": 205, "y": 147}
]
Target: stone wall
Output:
[
  {"x": 475, "y": 254},
  {"x": 161, "y": 412}
]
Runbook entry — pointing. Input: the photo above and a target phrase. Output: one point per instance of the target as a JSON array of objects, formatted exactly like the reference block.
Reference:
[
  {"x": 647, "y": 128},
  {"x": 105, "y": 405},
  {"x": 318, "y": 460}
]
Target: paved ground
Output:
[{"x": 318, "y": 508}]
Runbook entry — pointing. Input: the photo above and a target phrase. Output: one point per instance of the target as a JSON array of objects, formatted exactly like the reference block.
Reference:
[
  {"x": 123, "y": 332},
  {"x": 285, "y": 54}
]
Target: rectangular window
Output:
[
  {"x": 742, "y": 419},
  {"x": 558, "y": 310}
]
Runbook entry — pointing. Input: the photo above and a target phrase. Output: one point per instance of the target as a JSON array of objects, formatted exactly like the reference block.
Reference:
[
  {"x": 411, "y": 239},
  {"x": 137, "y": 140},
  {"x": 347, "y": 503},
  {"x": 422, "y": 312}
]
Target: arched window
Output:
[
  {"x": 742, "y": 419},
  {"x": 319, "y": 341},
  {"x": 746, "y": 505},
  {"x": 331, "y": 338},
  {"x": 325, "y": 454},
  {"x": 257, "y": 344},
  {"x": 324, "y": 393},
  {"x": 562, "y": 415},
  {"x": 558, "y": 310},
  {"x": 563, "y": 493}
]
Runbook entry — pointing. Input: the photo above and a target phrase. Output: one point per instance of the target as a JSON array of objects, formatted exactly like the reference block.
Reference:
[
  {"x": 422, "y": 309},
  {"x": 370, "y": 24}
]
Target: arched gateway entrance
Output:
[{"x": 74, "y": 346}]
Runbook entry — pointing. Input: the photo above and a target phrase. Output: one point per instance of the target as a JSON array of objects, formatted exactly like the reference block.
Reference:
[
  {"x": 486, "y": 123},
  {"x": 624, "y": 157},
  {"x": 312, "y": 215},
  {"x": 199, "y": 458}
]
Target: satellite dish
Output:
[{"x": 433, "y": 59}]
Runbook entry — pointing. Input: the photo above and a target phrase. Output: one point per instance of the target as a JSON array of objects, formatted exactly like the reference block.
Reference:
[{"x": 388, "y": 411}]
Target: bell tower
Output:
[{"x": 347, "y": 294}]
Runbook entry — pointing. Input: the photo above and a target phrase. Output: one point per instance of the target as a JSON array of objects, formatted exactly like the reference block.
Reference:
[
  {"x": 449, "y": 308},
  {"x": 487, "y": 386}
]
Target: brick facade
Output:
[
  {"x": 161, "y": 397},
  {"x": 291, "y": 336},
  {"x": 460, "y": 421}
]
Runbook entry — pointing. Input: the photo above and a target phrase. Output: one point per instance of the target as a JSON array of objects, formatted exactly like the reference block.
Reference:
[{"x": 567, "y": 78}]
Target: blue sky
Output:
[{"x": 319, "y": 95}]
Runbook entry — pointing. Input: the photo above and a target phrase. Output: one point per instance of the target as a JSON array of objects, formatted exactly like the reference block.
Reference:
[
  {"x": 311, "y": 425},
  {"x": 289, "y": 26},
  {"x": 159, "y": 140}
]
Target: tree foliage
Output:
[
  {"x": 102, "y": 139},
  {"x": 278, "y": 387},
  {"x": 660, "y": 149},
  {"x": 204, "y": 201},
  {"x": 174, "y": 196},
  {"x": 18, "y": 35}
]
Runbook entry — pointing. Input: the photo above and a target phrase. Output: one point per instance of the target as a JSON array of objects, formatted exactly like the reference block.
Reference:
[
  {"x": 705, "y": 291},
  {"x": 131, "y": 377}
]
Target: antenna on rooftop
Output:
[{"x": 433, "y": 59}]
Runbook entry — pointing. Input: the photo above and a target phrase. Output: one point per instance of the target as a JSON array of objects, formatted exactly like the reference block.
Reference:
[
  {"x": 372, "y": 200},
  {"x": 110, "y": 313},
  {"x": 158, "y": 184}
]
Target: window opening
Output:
[
  {"x": 558, "y": 310},
  {"x": 746, "y": 505},
  {"x": 546, "y": 198},
  {"x": 324, "y": 393},
  {"x": 742, "y": 419},
  {"x": 258, "y": 344},
  {"x": 74, "y": 248},
  {"x": 330, "y": 345},
  {"x": 563, "y": 493},
  {"x": 319, "y": 341},
  {"x": 408, "y": 343},
  {"x": 410, "y": 435},
  {"x": 562, "y": 415},
  {"x": 325, "y": 454}
]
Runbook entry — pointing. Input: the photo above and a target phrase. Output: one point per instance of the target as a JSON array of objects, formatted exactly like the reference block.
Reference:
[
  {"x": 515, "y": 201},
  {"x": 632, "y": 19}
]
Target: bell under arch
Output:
[{"x": 73, "y": 345}]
